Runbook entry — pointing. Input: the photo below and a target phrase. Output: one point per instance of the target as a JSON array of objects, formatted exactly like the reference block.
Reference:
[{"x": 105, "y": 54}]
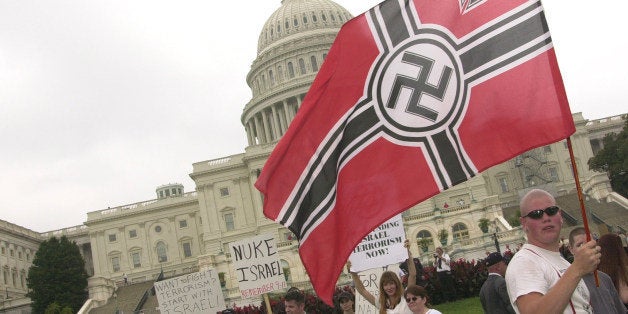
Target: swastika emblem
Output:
[{"x": 419, "y": 86}]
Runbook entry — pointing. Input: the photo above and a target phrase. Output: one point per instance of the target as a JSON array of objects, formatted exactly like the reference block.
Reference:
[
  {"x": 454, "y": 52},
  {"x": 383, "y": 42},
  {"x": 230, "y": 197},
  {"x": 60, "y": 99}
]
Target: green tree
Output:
[
  {"x": 57, "y": 276},
  {"x": 613, "y": 159},
  {"x": 54, "y": 308},
  {"x": 514, "y": 220}
]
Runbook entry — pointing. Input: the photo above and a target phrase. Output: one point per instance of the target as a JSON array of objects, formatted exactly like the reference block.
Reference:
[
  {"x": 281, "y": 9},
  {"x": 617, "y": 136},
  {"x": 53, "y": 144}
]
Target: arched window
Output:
[
  {"x": 425, "y": 241},
  {"x": 271, "y": 75},
  {"x": 324, "y": 17},
  {"x": 314, "y": 63},
  {"x": 314, "y": 17},
  {"x": 304, "y": 19},
  {"x": 279, "y": 73},
  {"x": 460, "y": 231},
  {"x": 296, "y": 22},
  {"x": 290, "y": 70},
  {"x": 302, "y": 66},
  {"x": 287, "y": 25},
  {"x": 162, "y": 254},
  {"x": 286, "y": 270}
]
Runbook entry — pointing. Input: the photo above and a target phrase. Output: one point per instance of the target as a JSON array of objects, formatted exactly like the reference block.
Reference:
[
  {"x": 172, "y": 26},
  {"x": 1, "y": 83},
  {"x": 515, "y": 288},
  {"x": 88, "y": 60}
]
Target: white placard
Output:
[
  {"x": 370, "y": 280},
  {"x": 257, "y": 266},
  {"x": 192, "y": 293},
  {"x": 383, "y": 246}
]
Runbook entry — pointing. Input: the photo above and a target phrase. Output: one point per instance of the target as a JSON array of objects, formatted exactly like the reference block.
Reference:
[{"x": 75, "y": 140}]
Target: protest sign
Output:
[
  {"x": 257, "y": 266},
  {"x": 370, "y": 280},
  {"x": 383, "y": 246},
  {"x": 192, "y": 293}
]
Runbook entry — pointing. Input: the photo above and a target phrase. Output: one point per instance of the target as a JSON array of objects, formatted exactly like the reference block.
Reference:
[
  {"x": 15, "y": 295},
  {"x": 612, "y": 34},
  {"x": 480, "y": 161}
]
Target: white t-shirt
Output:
[
  {"x": 401, "y": 308},
  {"x": 534, "y": 269}
]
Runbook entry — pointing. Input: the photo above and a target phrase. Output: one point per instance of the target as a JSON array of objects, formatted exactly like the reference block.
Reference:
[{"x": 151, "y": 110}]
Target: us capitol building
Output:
[{"x": 180, "y": 232}]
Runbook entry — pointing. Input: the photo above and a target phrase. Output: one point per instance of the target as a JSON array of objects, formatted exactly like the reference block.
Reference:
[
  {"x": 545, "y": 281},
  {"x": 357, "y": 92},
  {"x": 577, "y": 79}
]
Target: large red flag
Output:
[{"x": 413, "y": 98}]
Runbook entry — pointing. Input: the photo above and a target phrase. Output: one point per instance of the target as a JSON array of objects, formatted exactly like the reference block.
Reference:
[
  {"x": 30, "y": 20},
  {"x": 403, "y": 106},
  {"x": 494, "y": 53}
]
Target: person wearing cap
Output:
[
  {"x": 604, "y": 299},
  {"x": 493, "y": 294},
  {"x": 347, "y": 303},
  {"x": 538, "y": 278}
]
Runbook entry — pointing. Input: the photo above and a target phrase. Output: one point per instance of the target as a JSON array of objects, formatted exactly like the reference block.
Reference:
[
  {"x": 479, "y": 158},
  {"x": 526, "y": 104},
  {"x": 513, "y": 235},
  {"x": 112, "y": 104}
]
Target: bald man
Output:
[{"x": 538, "y": 278}]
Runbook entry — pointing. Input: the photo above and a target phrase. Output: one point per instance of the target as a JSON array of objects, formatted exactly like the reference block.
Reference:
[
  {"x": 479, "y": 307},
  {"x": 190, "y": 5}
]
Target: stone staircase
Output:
[{"x": 126, "y": 298}]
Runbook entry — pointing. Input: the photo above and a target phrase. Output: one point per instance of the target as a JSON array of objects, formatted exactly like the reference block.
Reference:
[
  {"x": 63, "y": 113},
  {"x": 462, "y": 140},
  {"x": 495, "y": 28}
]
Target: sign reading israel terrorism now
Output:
[{"x": 382, "y": 247}]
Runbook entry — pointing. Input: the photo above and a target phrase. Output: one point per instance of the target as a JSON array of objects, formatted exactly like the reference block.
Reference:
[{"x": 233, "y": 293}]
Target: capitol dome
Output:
[
  {"x": 291, "y": 48},
  {"x": 297, "y": 16}
]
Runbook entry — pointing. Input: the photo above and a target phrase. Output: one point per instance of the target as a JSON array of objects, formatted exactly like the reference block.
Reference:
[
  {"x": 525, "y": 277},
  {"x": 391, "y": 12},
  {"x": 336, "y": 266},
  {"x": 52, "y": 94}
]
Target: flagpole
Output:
[
  {"x": 583, "y": 211},
  {"x": 269, "y": 310}
]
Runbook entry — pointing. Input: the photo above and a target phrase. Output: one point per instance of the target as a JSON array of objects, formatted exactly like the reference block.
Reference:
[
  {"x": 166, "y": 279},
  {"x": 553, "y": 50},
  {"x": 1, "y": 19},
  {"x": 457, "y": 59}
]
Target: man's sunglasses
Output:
[{"x": 538, "y": 213}]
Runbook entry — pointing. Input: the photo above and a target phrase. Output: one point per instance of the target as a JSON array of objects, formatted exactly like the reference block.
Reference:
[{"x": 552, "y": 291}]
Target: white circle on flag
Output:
[{"x": 419, "y": 87}]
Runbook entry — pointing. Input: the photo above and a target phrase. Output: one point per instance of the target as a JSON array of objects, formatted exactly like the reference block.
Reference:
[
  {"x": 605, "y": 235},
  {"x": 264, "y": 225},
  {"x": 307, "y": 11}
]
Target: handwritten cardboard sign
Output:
[
  {"x": 192, "y": 293},
  {"x": 257, "y": 266},
  {"x": 383, "y": 246},
  {"x": 370, "y": 279}
]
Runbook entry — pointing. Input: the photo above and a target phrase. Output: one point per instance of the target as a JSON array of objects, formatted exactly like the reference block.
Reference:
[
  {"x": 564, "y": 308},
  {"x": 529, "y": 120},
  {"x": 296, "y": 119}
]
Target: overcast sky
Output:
[{"x": 103, "y": 101}]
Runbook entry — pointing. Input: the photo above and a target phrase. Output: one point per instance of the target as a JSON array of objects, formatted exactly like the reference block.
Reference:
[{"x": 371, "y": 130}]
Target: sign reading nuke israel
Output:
[{"x": 257, "y": 266}]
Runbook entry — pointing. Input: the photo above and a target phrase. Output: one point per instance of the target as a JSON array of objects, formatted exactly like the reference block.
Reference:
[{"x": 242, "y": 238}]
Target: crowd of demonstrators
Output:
[
  {"x": 614, "y": 262},
  {"x": 442, "y": 262},
  {"x": 391, "y": 300},
  {"x": 493, "y": 294},
  {"x": 603, "y": 299},
  {"x": 534, "y": 278},
  {"x": 418, "y": 300},
  {"x": 538, "y": 278}
]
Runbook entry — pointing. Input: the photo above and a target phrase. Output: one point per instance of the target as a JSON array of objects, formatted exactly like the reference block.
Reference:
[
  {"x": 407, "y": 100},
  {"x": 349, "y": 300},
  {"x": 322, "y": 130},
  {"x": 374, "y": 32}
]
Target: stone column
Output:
[
  {"x": 248, "y": 130},
  {"x": 267, "y": 133},
  {"x": 258, "y": 127},
  {"x": 286, "y": 112},
  {"x": 277, "y": 126}
]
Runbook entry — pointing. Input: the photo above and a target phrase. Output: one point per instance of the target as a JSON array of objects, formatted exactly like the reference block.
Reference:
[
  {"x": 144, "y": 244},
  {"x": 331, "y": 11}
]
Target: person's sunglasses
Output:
[
  {"x": 538, "y": 213},
  {"x": 412, "y": 299}
]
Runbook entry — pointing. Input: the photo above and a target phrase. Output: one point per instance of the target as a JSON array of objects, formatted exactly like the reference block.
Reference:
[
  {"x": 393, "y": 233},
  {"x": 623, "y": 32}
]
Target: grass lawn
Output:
[{"x": 470, "y": 306}]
